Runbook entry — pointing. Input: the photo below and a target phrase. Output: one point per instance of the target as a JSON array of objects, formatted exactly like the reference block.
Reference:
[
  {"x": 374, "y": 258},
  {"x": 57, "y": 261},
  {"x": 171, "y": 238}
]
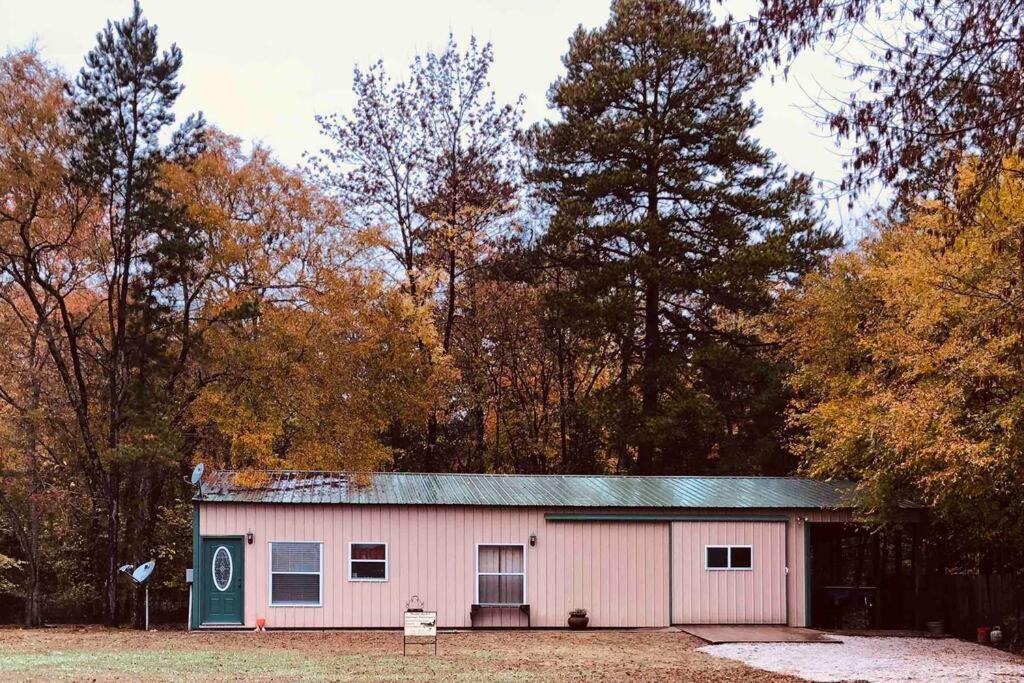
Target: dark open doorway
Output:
[{"x": 864, "y": 577}]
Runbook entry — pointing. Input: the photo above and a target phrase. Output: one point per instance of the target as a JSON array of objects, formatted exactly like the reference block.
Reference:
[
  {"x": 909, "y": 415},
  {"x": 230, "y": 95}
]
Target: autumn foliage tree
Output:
[
  {"x": 307, "y": 356},
  {"x": 908, "y": 370},
  {"x": 153, "y": 285},
  {"x": 85, "y": 230}
]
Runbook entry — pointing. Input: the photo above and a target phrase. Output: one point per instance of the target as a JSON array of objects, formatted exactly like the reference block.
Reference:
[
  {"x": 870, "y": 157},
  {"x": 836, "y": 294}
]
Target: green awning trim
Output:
[{"x": 585, "y": 517}]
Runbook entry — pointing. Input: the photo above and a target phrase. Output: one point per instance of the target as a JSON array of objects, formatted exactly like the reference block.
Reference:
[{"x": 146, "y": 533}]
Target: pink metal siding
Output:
[
  {"x": 619, "y": 571},
  {"x": 703, "y": 596}
]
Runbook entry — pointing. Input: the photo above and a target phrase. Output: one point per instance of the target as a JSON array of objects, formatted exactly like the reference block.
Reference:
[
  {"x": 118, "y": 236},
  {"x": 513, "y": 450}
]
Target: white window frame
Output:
[
  {"x": 478, "y": 574},
  {"x": 386, "y": 561},
  {"x": 270, "y": 582},
  {"x": 729, "y": 568}
]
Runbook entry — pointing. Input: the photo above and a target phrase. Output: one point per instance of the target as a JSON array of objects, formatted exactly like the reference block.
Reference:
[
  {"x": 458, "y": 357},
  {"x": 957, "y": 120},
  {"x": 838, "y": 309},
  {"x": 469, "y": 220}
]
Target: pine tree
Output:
[
  {"x": 123, "y": 101},
  {"x": 676, "y": 222}
]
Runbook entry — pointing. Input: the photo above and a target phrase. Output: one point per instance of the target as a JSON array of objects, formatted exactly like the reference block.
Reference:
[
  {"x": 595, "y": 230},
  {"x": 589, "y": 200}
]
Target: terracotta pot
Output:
[{"x": 577, "y": 623}]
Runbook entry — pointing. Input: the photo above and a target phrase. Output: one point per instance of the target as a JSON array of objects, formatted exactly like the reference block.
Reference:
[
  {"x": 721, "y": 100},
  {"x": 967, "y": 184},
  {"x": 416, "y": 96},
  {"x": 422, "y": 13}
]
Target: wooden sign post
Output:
[{"x": 419, "y": 624}]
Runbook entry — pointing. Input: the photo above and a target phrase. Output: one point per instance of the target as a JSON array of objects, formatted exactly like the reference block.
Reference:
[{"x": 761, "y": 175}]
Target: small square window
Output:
[
  {"x": 718, "y": 557},
  {"x": 368, "y": 562},
  {"x": 740, "y": 557},
  {"x": 728, "y": 557}
]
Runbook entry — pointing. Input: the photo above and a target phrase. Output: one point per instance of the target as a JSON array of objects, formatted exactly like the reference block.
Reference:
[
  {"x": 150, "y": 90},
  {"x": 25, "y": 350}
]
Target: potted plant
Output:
[{"x": 578, "y": 619}]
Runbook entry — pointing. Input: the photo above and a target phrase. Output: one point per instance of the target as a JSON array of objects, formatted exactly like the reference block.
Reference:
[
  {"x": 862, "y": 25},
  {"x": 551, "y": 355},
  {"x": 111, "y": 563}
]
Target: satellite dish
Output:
[
  {"x": 197, "y": 474},
  {"x": 143, "y": 571},
  {"x": 139, "y": 576}
]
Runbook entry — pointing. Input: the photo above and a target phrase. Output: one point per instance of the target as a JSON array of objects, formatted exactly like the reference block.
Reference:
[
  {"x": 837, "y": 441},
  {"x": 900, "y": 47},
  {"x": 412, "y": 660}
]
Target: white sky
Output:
[{"x": 261, "y": 70}]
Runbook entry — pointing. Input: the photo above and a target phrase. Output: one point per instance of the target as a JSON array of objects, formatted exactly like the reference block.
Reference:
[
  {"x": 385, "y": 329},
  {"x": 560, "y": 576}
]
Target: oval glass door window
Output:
[{"x": 223, "y": 568}]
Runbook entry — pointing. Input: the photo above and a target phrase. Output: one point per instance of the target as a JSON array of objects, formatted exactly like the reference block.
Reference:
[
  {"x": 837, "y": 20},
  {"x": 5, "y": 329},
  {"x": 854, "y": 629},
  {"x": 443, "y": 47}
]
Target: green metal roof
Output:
[{"x": 514, "y": 490}]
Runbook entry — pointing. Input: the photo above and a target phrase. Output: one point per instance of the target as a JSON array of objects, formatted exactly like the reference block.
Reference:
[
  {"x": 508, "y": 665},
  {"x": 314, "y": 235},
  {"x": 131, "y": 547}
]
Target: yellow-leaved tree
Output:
[
  {"x": 308, "y": 358},
  {"x": 909, "y": 371}
]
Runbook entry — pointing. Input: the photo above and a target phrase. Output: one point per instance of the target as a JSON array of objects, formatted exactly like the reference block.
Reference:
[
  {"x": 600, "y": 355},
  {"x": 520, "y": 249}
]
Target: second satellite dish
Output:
[{"x": 197, "y": 474}]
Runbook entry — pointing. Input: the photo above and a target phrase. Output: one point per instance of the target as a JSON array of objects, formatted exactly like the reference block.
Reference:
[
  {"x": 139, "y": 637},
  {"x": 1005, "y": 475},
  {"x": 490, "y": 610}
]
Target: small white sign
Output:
[{"x": 421, "y": 624}]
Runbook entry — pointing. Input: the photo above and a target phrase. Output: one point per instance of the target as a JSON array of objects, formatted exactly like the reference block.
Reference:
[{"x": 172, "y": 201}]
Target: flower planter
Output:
[{"x": 578, "y": 623}]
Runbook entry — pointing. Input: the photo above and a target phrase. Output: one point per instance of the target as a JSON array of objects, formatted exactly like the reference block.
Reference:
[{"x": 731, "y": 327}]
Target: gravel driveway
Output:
[{"x": 879, "y": 660}]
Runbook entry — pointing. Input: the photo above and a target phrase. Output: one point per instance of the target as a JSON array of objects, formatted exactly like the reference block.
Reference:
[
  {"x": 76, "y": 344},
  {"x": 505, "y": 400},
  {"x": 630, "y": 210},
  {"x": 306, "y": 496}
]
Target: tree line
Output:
[{"x": 633, "y": 286}]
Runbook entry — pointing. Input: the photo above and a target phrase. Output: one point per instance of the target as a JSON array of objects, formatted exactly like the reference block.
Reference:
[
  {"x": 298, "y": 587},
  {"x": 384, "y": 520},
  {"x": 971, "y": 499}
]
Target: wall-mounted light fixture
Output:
[
  {"x": 248, "y": 537},
  {"x": 533, "y": 540}
]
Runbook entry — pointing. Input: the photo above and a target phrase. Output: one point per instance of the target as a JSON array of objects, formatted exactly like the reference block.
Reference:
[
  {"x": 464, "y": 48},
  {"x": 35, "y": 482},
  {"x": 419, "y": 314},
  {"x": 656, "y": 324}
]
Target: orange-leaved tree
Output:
[
  {"x": 909, "y": 369},
  {"x": 308, "y": 358}
]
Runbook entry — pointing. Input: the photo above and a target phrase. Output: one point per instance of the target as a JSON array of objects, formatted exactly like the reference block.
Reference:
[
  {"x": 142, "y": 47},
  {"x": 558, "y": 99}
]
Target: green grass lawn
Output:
[{"x": 274, "y": 665}]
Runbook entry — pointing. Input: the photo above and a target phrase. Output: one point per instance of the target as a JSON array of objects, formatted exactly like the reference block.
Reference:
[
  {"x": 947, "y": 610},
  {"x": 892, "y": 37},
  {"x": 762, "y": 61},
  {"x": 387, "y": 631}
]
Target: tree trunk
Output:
[
  {"x": 33, "y": 592},
  {"x": 563, "y": 437},
  {"x": 649, "y": 378},
  {"x": 113, "y": 528},
  {"x": 430, "y": 464},
  {"x": 33, "y": 597},
  {"x": 620, "y": 442},
  {"x": 449, "y": 317},
  {"x": 897, "y": 591},
  {"x": 877, "y": 565},
  {"x": 649, "y": 382},
  {"x": 915, "y": 562}
]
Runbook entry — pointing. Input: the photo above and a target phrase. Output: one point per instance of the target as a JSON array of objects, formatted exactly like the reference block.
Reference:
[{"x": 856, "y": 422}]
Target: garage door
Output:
[{"x": 728, "y": 572}]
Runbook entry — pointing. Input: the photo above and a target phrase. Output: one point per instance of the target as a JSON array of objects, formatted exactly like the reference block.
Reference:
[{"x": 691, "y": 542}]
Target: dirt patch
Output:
[{"x": 111, "y": 654}]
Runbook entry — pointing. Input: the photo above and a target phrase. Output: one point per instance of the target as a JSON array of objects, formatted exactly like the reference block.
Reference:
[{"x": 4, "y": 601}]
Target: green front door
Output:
[{"x": 221, "y": 583}]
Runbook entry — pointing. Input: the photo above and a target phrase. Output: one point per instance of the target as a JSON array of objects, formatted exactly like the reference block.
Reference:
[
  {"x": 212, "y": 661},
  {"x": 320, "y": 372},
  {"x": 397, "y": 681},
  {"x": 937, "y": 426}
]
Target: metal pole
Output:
[
  {"x": 188, "y": 625},
  {"x": 147, "y": 606}
]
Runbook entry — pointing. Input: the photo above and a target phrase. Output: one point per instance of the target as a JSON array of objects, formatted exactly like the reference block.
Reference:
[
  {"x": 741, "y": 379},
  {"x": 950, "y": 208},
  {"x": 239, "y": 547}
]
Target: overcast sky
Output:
[{"x": 261, "y": 70}]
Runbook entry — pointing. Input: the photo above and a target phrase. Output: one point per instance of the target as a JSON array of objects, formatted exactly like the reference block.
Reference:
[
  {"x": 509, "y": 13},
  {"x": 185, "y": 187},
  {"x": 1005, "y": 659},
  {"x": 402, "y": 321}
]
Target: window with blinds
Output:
[
  {"x": 295, "y": 574},
  {"x": 501, "y": 575}
]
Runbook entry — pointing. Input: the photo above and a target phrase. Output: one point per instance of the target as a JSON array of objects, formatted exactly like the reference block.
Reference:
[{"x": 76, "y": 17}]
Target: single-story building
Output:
[{"x": 331, "y": 550}]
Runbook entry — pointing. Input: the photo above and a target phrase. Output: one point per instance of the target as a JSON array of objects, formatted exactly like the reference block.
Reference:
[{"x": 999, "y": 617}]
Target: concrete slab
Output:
[{"x": 755, "y": 633}]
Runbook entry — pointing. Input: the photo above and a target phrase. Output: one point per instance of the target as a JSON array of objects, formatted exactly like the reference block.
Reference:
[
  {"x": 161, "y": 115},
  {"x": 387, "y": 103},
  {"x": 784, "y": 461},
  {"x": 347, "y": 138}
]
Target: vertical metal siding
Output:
[
  {"x": 701, "y": 596},
  {"x": 618, "y": 571}
]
